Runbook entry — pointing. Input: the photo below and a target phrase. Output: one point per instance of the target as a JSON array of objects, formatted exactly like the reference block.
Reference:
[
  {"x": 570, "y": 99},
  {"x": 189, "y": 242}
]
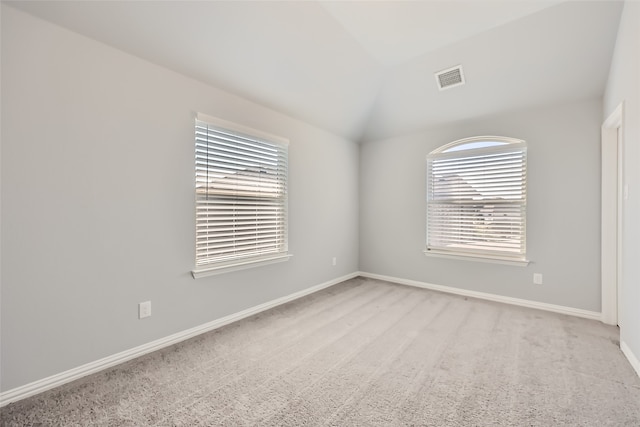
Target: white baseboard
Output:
[
  {"x": 56, "y": 380},
  {"x": 633, "y": 360},
  {"x": 491, "y": 297}
]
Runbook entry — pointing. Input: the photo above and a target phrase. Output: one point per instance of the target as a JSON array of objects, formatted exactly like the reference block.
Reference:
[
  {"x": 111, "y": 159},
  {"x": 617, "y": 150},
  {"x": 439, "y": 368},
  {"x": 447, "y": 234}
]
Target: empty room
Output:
[{"x": 283, "y": 213}]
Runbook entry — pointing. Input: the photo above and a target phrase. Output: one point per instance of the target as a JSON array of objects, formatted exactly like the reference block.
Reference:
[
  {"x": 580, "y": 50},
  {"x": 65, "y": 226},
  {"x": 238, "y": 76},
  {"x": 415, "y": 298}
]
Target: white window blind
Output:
[
  {"x": 476, "y": 198},
  {"x": 241, "y": 195}
]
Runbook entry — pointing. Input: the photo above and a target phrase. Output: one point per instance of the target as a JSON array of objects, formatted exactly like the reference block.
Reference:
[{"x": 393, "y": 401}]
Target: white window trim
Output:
[
  {"x": 479, "y": 258},
  {"x": 249, "y": 262},
  {"x": 488, "y": 257},
  {"x": 241, "y": 129},
  {"x": 239, "y": 265}
]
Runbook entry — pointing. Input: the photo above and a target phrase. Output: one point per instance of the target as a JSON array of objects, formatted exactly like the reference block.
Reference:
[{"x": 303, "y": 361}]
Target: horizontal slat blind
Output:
[
  {"x": 241, "y": 196},
  {"x": 476, "y": 201}
]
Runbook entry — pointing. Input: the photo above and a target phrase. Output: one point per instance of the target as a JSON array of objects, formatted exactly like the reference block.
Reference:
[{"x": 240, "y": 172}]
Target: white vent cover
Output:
[{"x": 451, "y": 77}]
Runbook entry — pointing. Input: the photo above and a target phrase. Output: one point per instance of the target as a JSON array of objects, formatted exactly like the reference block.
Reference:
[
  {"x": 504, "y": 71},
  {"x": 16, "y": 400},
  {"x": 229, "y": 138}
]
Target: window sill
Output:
[
  {"x": 238, "y": 265},
  {"x": 478, "y": 258}
]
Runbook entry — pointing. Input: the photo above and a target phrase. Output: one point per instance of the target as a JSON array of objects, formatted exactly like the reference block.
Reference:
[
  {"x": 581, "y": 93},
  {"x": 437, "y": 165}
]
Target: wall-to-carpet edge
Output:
[
  {"x": 491, "y": 297},
  {"x": 99, "y": 365},
  {"x": 48, "y": 383},
  {"x": 633, "y": 360}
]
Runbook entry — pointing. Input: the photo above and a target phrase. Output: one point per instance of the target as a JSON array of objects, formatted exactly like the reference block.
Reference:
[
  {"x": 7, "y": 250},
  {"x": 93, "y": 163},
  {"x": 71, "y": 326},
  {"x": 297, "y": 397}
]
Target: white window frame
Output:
[
  {"x": 489, "y": 206},
  {"x": 225, "y": 202}
]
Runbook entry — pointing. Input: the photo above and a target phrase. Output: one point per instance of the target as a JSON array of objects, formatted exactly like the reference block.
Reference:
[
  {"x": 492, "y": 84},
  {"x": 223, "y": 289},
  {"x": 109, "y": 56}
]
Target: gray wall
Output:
[
  {"x": 563, "y": 207},
  {"x": 624, "y": 85},
  {"x": 98, "y": 203}
]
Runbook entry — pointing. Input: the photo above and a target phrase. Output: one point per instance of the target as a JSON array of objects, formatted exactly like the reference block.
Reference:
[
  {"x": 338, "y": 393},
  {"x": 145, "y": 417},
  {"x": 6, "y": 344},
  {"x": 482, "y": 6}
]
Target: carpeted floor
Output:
[{"x": 364, "y": 353}]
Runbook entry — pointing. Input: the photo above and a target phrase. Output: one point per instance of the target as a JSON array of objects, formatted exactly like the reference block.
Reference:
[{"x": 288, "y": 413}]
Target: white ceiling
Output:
[
  {"x": 393, "y": 32},
  {"x": 365, "y": 69}
]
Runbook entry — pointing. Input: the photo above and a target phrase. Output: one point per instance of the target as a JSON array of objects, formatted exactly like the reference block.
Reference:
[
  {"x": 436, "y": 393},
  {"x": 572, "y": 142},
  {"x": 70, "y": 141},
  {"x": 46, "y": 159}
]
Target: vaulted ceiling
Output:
[{"x": 365, "y": 70}]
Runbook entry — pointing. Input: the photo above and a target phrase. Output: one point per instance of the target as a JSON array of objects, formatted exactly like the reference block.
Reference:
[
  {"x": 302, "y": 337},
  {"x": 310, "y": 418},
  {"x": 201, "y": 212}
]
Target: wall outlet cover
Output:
[{"x": 144, "y": 309}]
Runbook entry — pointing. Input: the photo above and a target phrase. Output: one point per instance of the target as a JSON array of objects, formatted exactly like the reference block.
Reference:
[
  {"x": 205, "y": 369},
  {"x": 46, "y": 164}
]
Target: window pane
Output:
[
  {"x": 476, "y": 200},
  {"x": 241, "y": 195},
  {"x": 472, "y": 145}
]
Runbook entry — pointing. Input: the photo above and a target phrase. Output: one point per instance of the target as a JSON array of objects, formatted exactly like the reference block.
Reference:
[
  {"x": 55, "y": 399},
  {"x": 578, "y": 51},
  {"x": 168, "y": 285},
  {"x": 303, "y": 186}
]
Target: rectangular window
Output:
[
  {"x": 476, "y": 199},
  {"x": 241, "y": 197}
]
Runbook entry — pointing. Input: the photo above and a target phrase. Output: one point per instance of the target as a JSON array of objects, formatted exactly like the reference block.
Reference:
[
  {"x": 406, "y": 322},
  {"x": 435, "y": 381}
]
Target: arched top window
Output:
[
  {"x": 476, "y": 198},
  {"x": 477, "y": 143}
]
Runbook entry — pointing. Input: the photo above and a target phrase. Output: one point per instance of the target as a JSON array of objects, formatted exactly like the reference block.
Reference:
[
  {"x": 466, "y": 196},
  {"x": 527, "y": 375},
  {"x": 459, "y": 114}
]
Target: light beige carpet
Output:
[{"x": 364, "y": 353}]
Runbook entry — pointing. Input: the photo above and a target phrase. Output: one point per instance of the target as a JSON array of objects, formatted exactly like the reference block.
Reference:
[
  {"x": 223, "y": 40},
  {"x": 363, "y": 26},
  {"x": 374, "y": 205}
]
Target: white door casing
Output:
[{"x": 611, "y": 205}]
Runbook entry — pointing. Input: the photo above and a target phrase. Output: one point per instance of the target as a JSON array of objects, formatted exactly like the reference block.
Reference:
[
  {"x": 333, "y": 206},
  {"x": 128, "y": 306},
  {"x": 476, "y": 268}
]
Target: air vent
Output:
[{"x": 451, "y": 77}]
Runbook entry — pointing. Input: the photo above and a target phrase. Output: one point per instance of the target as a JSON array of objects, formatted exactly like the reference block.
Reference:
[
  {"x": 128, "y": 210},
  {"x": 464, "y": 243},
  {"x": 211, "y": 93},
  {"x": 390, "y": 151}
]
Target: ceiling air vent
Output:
[{"x": 450, "y": 77}]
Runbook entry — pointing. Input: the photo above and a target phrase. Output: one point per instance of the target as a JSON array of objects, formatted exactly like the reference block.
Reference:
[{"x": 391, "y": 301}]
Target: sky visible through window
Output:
[{"x": 474, "y": 145}]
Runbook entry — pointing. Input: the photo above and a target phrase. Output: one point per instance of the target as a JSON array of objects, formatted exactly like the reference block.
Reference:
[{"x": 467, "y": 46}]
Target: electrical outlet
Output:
[
  {"x": 334, "y": 261},
  {"x": 537, "y": 278},
  {"x": 144, "y": 309}
]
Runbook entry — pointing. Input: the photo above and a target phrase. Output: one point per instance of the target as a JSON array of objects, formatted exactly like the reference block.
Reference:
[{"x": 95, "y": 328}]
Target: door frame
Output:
[{"x": 611, "y": 206}]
